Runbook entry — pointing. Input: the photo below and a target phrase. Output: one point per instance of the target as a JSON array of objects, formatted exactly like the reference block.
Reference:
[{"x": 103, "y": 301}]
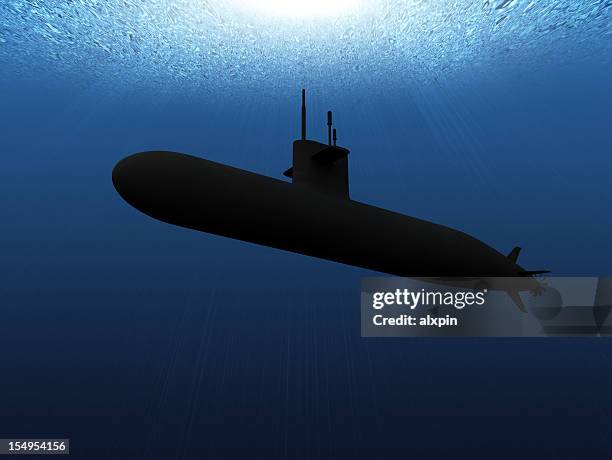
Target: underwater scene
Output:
[{"x": 137, "y": 339}]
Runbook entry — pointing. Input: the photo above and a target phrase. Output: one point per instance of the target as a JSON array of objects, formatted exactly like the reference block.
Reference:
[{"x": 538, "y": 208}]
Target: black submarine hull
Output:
[{"x": 210, "y": 197}]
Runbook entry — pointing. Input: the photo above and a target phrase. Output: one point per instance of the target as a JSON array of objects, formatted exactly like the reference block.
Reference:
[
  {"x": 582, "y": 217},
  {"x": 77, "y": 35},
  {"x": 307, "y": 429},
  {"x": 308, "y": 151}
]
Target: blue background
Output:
[{"x": 137, "y": 339}]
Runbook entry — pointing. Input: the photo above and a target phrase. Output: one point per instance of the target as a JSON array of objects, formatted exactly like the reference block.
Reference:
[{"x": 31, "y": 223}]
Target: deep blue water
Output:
[{"x": 137, "y": 339}]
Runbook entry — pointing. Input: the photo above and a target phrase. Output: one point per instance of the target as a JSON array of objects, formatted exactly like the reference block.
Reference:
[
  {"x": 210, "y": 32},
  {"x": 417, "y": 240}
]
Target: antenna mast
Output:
[
  {"x": 329, "y": 127},
  {"x": 303, "y": 114}
]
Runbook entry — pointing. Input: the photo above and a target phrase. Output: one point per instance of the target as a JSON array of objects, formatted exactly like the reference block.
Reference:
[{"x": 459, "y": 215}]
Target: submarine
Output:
[{"x": 312, "y": 214}]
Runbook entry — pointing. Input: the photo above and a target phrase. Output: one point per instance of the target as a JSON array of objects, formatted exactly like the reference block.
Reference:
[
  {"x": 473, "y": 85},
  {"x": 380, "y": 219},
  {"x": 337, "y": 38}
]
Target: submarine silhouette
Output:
[{"x": 311, "y": 215}]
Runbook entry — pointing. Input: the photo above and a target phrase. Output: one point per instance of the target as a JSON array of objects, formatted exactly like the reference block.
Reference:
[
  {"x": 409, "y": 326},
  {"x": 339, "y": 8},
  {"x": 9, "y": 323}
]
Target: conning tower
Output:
[{"x": 322, "y": 167}]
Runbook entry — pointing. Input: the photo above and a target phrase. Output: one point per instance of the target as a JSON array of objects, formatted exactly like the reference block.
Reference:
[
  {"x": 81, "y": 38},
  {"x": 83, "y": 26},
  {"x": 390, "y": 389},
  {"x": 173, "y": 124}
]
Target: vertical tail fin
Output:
[{"x": 513, "y": 256}]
